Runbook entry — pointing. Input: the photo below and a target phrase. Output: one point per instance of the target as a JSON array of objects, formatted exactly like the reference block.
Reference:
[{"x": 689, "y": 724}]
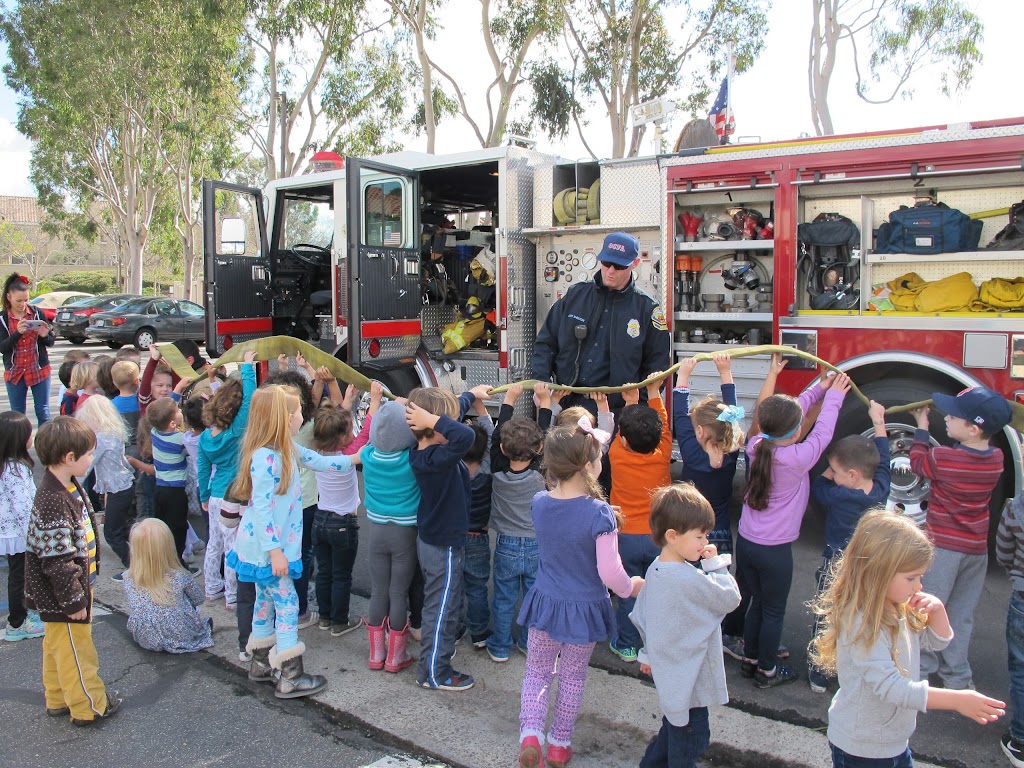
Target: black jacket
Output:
[
  {"x": 632, "y": 343},
  {"x": 9, "y": 339}
]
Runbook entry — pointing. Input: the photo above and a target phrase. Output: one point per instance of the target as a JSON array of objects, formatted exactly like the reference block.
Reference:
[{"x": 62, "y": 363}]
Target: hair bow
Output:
[
  {"x": 598, "y": 434},
  {"x": 731, "y": 413}
]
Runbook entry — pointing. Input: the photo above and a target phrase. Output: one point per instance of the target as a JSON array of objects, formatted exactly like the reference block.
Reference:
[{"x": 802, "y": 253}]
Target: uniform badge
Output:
[
  {"x": 658, "y": 319},
  {"x": 633, "y": 328}
]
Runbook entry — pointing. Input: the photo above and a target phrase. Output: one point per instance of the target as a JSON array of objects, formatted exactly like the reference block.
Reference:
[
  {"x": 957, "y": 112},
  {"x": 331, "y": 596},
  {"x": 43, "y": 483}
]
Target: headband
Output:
[
  {"x": 791, "y": 432},
  {"x": 598, "y": 434}
]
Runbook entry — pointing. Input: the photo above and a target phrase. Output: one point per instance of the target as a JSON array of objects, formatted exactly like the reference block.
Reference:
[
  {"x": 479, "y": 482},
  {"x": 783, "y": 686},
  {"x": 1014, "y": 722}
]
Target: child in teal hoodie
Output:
[{"x": 220, "y": 445}]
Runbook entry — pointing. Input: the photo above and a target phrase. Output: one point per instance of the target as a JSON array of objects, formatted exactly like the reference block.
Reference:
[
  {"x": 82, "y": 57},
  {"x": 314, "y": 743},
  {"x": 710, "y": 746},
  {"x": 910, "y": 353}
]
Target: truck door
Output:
[
  {"x": 237, "y": 265},
  {"x": 382, "y": 263}
]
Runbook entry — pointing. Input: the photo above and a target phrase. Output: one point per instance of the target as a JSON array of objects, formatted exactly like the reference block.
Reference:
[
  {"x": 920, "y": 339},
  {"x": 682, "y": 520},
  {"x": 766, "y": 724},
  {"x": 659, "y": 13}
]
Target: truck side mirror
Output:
[{"x": 232, "y": 236}]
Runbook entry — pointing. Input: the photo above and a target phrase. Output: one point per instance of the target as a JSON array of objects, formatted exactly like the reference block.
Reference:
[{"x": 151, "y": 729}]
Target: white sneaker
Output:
[
  {"x": 311, "y": 618},
  {"x": 244, "y": 656}
]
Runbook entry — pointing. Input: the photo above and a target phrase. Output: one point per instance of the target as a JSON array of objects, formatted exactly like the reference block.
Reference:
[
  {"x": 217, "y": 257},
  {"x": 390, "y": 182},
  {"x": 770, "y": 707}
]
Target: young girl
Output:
[
  {"x": 17, "y": 489},
  {"x": 568, "y": 610},
  {"x": 114, "y": 476},
  {"x": 876, "y": 622},
  {"x": 778, "y": 488},
  {"x": 335, "y": 524},
  {"x": 268, "y": 547},
  {"x": 84, "y": 383},
  {"x": 162, "y": 596}
]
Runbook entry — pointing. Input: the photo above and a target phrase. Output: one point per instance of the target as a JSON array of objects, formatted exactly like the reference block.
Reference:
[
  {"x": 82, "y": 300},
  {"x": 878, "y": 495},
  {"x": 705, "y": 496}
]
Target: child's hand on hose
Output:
[
  {"x": 631, "y": 396},
  {"x": 278, "y": 563},
  {"x": 250, "y": 356},
  {"x": 724, "y": 365},
  {"x": 602, "y": 401},
  {"x": 685, "y": 369},
  {"x": 638, "y": 584},
  {"x": 921, "y": 416},
  {"x": 513, "y": 393},
  {"x": 654, "y": 388},
  {"x": 841, "y": 383},
  {"x": 777, "y": 364}
]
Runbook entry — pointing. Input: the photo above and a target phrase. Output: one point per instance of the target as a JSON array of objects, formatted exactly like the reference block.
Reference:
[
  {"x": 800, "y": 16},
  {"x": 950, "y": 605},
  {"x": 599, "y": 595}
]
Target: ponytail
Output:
[
  {"x": 759, "y": 481},
  {"x": 780, "y": 417}
]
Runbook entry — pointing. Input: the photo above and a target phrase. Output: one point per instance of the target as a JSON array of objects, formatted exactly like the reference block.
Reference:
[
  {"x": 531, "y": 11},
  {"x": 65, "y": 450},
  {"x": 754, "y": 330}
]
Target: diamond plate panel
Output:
[
  {"x": 392, "y": 348},
  {"x": 631, "y": 193}
]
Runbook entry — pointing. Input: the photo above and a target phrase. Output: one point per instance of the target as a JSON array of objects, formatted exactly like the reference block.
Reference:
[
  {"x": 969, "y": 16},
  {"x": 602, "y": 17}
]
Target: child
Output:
[
  {"x": 268, "y": 547},
  {"x": 157, "y": 380},
  {"x": 435, "y": 417},
  {"x": 61, "y": 563},
  {"x": 477, "y": 564},
  {"x": 129, "y": 355},
  {"x": 1010, "y": 555},
  {"x": 142, "y": 463},
  {"x": 170, "y": 502},
  {"x": 227, "y": 413},
  {"x": 515, "y": 462},
  {"x": 104, "y": 374},
  {"x": 84, "y": 383},
  {"x": 568, "y": 611},
  {"x": 640, "y": 458},
  {"x": 392, "y": 500},
  {"x": 876, "y": 622},
  {"x": 67, "y": 396},
  {"x": 162, "y": 596},
  {"x": 336, "y": 522},
  {"x": 125, "y": 376},
  {"x": 192, "y": 419},
  {"x": 679, "y": 614},
  {"x": 17, "y": 489},
  {"x": 857, "y": 479},
  {"x": 71, "y": 358},
  {"x": 114, "y": 476},
  {"x": 776, "y": 497}
]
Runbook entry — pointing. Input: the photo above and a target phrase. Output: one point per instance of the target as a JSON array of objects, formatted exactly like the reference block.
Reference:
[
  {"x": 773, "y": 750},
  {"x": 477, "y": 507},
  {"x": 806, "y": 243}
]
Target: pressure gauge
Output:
[
  {"x": 552, "y": 257},
  {"x": 589, "y": 260}
]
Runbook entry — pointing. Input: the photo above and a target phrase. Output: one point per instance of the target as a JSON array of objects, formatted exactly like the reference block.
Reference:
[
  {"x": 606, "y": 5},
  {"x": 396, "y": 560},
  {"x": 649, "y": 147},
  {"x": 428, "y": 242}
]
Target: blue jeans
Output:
[
  {"x": 477, "y": 569},
  {"x": 17, "y": 394},
  {"x": 1015, "y": 649},
  {"x": 841, "y": 759},
  {"x": 335, "y": 543},
  {"x": 679, "y": 746},
  {"x": 515, "y": 569},
  {"x": 637, "y": 551},
  {"x": 768, "y": 573}
]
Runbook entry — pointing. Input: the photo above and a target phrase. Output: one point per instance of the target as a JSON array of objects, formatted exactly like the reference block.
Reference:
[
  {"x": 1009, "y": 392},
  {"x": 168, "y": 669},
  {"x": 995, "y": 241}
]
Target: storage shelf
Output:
[
  {"x": 727, "y": 245},
  {"x": 580, "y": 229},
  {"x": 917, "y": 258},
  {"x": 724, "y": 317},
  {"x": 691, "y": 346}
]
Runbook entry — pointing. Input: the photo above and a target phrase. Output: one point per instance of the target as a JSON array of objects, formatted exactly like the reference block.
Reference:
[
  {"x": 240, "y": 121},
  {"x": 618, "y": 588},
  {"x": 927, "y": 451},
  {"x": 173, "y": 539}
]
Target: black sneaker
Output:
[
  {"x": 113, "y": 704},
  {"x": 119, "y": 576},
  {"x": 1013, "y": 749},
  {"x": 781, "y": 676},
  {"x": 818, "y": 680},
  {"x": 457, "y": 682}
]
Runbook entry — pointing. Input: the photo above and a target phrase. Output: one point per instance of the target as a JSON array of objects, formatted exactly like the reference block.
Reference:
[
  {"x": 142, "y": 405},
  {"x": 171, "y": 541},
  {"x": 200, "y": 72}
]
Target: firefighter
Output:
[{"x": 603, "y": 333}]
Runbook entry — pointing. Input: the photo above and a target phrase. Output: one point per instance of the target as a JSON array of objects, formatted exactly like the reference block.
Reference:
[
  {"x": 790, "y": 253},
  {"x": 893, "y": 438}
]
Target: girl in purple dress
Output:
[{"x": 568, "y": 610}]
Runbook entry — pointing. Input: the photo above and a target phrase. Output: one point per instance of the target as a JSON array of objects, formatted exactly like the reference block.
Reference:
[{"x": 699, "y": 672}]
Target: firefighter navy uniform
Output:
[{"x": 626, "y": 338}]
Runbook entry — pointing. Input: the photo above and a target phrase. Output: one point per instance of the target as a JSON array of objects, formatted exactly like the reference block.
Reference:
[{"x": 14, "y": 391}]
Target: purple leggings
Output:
[{"x": 546, "y": 657}]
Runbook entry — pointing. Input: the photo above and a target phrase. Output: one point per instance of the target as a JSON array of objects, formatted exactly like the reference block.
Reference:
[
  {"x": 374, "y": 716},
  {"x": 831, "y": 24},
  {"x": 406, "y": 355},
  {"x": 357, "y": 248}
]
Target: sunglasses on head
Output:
[{"x": 613, "y": 265}]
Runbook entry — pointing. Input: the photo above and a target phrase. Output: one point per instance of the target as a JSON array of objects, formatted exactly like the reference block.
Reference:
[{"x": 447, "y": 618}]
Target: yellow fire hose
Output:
[{"x": 270, "y": 347}]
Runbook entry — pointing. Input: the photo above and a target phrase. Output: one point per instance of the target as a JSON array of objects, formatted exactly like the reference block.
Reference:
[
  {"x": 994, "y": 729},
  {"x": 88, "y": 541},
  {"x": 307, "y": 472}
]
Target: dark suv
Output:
[{"x": 72, "y": 320}]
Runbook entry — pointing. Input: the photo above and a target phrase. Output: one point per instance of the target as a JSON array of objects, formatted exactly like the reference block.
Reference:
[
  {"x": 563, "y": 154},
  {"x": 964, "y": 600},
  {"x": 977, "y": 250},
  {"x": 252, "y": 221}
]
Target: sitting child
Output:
[{"x": 163, "y": 596}]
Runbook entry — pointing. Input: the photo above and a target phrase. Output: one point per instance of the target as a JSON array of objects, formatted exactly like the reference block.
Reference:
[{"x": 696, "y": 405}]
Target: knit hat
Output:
[{"x": 389, "y": 431}]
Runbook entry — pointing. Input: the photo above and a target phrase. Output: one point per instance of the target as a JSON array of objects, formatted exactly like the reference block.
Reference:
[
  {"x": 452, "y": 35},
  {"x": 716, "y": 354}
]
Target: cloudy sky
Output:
[{"x": 770, "y": 101}]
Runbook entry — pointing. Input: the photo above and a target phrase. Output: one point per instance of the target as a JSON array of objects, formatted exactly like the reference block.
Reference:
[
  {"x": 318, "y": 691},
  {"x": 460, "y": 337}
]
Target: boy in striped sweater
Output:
[
  {"x": 963, "y": 477},
  {"x": 170, "y": 501}
]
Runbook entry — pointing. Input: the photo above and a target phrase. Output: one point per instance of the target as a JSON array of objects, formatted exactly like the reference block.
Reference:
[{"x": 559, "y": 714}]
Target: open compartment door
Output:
[
  {"x": 237, "y": 265},
  {"x": 382, "y": 269}
]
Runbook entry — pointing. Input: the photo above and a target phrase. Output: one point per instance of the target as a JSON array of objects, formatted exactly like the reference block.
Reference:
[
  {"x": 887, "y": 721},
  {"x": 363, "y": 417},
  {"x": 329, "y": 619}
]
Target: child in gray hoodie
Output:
[{"x": 679, "y": 614}]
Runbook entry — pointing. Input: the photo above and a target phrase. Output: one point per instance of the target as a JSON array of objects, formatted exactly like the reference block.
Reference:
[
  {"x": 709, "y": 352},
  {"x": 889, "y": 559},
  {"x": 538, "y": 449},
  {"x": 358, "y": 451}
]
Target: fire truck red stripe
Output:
[
  {"x": 391, "y": 328},
  {"x": 245, "y": 325}
]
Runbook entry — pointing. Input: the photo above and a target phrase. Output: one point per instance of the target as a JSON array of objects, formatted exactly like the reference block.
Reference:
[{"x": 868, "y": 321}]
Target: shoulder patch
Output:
[{"x": 658, "y": 319}]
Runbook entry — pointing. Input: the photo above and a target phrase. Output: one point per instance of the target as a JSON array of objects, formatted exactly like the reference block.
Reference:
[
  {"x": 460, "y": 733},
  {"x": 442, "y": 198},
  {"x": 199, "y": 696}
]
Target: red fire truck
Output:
[{"x": 372, "y": 260}]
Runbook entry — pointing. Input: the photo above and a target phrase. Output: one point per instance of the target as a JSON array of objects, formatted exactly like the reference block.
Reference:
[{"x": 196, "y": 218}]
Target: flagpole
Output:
[{"x": 728, "y": 92}]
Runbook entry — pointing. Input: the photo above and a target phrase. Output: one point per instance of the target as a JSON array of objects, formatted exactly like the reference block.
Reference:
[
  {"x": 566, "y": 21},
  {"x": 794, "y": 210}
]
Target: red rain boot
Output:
[
  {"x": 558, "y": 757},
  {"x": 530, "y": 754},
  {"x": 377, "y": 645},
  {"x": 398, "y": 657}
]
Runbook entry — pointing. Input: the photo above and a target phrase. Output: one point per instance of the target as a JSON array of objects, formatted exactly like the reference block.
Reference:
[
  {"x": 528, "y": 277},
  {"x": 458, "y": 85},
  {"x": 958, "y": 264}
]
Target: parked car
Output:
[
  {"x": 73, "y": 319},
  {"x": 147, "y": 320},
  {"x": 48, "y": 303}
]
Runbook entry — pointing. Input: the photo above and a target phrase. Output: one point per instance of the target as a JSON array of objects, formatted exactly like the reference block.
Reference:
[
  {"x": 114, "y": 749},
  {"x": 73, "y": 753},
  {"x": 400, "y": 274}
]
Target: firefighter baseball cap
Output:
[
  {"x": 980, "y": 406},
  {"x": 620, "y": 248}
]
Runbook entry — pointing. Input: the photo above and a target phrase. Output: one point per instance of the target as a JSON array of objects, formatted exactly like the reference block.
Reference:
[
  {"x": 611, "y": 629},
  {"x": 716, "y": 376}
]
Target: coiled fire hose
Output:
[{"x": 269, "y": 348}]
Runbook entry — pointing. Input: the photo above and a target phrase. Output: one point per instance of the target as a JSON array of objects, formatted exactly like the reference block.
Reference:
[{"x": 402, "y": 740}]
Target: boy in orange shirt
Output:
[{"x": 640, "y": 457}]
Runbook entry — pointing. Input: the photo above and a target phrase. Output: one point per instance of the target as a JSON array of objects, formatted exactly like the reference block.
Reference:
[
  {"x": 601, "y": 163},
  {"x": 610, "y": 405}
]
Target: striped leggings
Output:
[{"x": 544, "y": 659}]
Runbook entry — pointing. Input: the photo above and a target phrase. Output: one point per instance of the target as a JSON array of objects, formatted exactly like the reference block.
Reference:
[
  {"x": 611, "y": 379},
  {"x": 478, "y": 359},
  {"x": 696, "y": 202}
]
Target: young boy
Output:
[
  {"x": 72, "y": 356},
  {"x": 963, "y": 477},
  {"x": 435, "y": 418},
  {"x": 1010, "y": 555},
  {"x": 129, "y": 355},
  {"x": 157, "y": 380},
  {"x": 170, "y": 502},
  {"x": 857, "y": 479},
  {"x": 125, "y": 375},
  {"x": 515, "y": 462},
  {"x": 477, "y": 567},
  {"x": 61, "y": 563},
  {"x": 679, "y": 613},
  {"x": 640, "y": 459},
  {"x": 68, "y": 399}
]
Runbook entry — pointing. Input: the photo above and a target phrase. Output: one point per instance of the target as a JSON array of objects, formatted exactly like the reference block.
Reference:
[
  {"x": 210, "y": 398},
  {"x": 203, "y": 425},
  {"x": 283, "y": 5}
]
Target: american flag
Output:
[
  {"x": 392, "y": 238},
  {"x": 724, "y": 124}
]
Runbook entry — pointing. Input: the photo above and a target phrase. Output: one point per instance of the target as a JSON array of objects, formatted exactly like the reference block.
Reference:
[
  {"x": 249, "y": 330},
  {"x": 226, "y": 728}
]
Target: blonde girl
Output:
[
  {"x": 163, "y": 598},
  {"x": 778, "y": 487},
  {"x": 876, "y": 621},
  {"x": 84, "y": 382},
  {"x": 114, "y": 477},
  {"x": 568, "y": 610},
  {"x": 268, "y": 546}
]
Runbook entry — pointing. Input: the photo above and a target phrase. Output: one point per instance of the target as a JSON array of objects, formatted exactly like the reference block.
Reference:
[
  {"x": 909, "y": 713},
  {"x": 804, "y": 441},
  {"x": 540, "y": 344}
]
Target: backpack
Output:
[
  {"x": 826, "y": 261},
  {"x": 928, "y": 228},
  {"x": 1010, "y": 237}
]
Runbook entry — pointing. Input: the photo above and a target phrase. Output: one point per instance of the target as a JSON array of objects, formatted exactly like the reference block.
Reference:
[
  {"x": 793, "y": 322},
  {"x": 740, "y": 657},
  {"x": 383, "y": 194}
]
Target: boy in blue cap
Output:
[{"x": 963, "y": 477}]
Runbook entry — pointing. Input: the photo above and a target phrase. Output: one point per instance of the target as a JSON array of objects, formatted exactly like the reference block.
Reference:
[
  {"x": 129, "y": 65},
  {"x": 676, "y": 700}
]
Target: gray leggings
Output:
[{"x": 392, "y": 564}]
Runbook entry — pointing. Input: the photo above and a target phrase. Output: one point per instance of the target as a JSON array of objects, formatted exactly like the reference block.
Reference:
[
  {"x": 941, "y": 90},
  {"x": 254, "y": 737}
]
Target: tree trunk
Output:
[{"x": 822, "y": 61}]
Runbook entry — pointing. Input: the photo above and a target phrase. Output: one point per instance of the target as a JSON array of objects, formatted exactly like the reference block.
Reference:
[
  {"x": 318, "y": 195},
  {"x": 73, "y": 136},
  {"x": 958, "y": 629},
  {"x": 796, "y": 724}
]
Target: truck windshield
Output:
[{"x": 306, "y": 219}]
